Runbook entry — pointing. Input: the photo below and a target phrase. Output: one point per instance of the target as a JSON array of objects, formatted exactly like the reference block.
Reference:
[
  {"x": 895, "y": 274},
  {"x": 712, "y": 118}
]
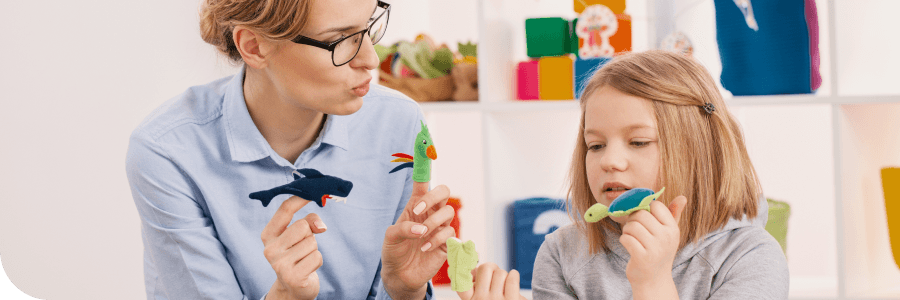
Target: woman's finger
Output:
[
  {"x": 439, "y": 218},
  {"x": 403, "y": 231},
  {"x": 439, "y": 238},
  {"x": 293, "y": 235},
  {"x": 282, "y": 218},
  {"x": 318, "y": 226},
  {"x": 437, "y": 196}
]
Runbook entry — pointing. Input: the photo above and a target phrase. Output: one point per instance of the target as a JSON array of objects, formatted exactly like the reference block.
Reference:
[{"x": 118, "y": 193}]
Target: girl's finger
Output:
[
  {"x": 511, "y": 287},
  {"x": 497, "y": 282},
  {"x": 632, "y": 245},
  {"x": 483, "y": 275},
  {"x": 639, "y": 232},
  {"x": 661, "y": 213}
]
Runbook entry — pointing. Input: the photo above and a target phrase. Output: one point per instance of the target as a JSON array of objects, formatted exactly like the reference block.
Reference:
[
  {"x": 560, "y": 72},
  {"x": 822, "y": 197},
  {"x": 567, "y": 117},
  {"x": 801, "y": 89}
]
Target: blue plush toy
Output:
[
  {"x": 314, "y": 186},
  {"x": 627, "y": 203}
]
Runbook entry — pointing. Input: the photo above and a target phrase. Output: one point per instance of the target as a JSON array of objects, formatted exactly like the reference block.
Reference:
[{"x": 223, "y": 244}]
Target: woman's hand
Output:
[
  {"x": 415, "y": 246},
  {"x": 292, "y": 251},
  {"x": 652, "y": 238},
  {"x": 491, "y": 282}
]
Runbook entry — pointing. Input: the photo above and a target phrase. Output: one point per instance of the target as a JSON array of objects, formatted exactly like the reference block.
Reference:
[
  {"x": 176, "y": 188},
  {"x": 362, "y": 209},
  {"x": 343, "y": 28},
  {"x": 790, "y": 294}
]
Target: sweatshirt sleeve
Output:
[
  {"x": 551, "y": 284},
  {"x": 760, "y": 273},
  {"x": 184, "y": 258}
]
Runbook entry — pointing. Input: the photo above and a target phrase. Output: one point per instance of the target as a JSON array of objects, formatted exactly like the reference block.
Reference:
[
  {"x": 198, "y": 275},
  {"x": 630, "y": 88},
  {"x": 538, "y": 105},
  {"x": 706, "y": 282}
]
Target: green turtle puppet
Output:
[{"x": 627, "y": 203}]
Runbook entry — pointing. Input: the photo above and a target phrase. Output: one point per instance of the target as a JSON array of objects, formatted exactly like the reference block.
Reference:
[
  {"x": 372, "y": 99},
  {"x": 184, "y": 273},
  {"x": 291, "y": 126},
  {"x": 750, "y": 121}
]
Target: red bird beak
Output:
[{"x": 432, "y": 154}]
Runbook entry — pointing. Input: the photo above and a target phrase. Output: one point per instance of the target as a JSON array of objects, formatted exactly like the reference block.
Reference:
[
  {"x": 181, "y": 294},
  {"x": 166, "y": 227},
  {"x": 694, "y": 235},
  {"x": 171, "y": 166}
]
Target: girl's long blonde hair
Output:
[{"x": 702, "y": 154}]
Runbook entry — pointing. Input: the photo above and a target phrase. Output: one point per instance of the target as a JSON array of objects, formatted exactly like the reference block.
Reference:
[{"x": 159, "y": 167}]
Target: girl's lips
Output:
[{"x": 612, "y": 195}]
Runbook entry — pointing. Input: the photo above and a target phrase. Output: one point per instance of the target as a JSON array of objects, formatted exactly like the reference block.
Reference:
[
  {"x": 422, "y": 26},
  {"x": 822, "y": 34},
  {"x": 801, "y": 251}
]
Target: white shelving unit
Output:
[{"x": 820, "y": 153}]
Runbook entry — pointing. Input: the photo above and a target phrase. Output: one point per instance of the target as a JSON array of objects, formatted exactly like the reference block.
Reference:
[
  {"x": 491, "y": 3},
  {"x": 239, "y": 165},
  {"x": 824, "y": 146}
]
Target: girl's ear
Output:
[{"x": 254, "y": 48}]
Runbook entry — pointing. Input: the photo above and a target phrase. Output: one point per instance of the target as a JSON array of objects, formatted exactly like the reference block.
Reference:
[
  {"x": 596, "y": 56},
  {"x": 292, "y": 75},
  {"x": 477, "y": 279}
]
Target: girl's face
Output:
[
  {"x": 623, "y": 150},
  {"x": 305, "y": 76}
]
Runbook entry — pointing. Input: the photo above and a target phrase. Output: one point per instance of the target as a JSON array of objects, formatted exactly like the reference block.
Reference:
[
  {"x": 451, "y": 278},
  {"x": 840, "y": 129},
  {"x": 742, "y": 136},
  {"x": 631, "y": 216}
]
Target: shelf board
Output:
[{"x": 544, "y": 105}]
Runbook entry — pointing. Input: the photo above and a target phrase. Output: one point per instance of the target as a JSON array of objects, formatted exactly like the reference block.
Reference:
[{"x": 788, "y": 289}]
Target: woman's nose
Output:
[{"x": 366, "y": 58}]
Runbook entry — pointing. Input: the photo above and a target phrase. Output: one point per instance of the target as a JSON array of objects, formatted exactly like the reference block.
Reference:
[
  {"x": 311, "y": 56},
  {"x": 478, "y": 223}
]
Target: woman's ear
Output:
[{"x": 254, "y": 48}]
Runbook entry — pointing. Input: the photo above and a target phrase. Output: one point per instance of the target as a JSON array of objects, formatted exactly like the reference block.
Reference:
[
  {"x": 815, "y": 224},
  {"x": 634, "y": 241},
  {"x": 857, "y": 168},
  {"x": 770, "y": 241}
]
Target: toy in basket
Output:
[{"x": 426, "y": 72}]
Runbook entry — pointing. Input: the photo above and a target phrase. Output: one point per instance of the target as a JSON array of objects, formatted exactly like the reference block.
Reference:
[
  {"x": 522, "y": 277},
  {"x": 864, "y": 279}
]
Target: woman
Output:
[{"x": 302, "y": 100}]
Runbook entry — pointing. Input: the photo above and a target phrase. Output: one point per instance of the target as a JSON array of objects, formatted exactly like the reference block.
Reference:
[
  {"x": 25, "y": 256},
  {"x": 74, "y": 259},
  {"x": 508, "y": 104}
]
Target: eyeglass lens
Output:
[{"x": 347, "y": 49}]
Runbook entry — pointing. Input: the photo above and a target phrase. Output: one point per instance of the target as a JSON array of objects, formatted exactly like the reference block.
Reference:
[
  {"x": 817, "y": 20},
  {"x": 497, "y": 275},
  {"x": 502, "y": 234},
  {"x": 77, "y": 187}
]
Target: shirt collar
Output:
[{"x": 245, "y": 141}]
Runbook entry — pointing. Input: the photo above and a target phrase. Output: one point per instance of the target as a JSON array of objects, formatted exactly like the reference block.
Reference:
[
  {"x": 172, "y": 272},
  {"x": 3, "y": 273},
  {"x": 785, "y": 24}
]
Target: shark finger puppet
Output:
[
  {"x": 312, "y": 186},
  {"x": 461, "y": 260},
  {"x": 627, "y": 203},
  {"x": 423, "y": 153}
]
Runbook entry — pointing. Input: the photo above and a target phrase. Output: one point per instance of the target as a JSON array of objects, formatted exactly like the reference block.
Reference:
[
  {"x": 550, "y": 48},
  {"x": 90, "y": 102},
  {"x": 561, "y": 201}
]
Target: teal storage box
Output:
[
  {"x": 532, "y": 220},
  {"x": 546, "y": 37},
  {"x": 584, "y": 69}
]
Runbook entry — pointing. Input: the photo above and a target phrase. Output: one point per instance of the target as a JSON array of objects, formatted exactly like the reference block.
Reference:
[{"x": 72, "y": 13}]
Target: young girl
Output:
[{"x": 651, "y": 120}]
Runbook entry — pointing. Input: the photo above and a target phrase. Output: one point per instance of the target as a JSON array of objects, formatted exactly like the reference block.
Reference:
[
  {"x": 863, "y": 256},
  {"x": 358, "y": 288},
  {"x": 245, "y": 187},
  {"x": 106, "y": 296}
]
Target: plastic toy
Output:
[
  {"x": 527, "y": 87},
  {"x": 617, "y": 6},
  {"x": 423, "y": 153},
  {"x": 546, "y": 36},
  {"x": 461, "y": 259},
  {"x": 555, "y": 76},
  {"x": 595, "y": 26},
  {"x": 584, "y": 68},
  {"x": 890, "y": 182},
  {"x": 313, "y": 186},
  {"x": 627, "y": 203}
]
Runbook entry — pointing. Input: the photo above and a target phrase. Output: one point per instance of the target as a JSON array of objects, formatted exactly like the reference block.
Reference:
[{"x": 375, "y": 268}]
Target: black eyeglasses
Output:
[{"x": 346, "y": 48}]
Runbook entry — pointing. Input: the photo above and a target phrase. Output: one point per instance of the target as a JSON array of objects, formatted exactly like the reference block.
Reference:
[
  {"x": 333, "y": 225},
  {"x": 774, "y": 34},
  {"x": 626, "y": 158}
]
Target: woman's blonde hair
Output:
[
  {"x": 702, "y": 154},
  {"x": 273, "y": 19}
]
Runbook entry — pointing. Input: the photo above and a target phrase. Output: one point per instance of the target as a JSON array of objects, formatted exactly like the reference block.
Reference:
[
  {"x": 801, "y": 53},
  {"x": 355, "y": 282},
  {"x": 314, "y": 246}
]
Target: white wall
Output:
[{"x": 77, "y": 77}]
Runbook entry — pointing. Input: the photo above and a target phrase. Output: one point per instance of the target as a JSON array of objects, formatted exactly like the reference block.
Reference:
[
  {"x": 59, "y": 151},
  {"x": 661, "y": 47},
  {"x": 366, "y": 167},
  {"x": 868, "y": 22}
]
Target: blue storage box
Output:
[
  {"x": 780, "y": 58},
  {"x": 584, "y": 69},
  {"x": 532, "y": 220}
]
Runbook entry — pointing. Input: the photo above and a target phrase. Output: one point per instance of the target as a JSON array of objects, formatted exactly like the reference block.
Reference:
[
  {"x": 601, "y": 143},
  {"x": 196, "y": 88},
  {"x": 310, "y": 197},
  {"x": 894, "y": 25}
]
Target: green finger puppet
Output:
[
  {"x": 627, "y": 203},
  {"x": 423, "y": 153},
  {"x": 461, "y": 260}
]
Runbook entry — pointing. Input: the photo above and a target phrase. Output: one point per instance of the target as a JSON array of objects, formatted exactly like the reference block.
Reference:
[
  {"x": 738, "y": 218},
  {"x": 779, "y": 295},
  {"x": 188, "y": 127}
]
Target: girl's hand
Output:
[
  {"x": 491, "y": 282},
  {"x": 415, "y": 246},
  {"x": 652, "y": 239},
  {"x": 293, "y": 252}
]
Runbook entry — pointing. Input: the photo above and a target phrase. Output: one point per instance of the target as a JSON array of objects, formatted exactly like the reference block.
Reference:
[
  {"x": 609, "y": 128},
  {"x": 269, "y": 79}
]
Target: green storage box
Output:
[
  {"x": 546, "y": 37},
  {"x": 779, "y": 212}
]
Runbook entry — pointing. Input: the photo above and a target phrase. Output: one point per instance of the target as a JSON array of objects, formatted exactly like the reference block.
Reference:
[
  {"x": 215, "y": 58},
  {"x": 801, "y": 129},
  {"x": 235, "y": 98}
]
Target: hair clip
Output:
[{"x": 709, "y": 108}]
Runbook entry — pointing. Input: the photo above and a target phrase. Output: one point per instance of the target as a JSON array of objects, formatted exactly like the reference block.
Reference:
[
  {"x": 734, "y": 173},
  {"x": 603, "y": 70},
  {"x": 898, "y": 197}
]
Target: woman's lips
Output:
[{"x": 362, "y": 89}]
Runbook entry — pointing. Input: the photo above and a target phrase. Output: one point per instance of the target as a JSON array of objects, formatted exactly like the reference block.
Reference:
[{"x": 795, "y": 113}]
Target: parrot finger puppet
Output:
[
  {"x": 461, "y": 260},
  {"x": 627, "y": 203},
  {"x": 312, "y": 186},
  {"x": 423, "y": 153}
]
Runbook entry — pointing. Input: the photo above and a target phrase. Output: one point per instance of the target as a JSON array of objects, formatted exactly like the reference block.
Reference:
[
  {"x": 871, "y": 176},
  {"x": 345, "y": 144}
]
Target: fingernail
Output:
[
  {"x": 419, "y": 208},
  {"x": 321, "y": 225},
  {"x": 419, "y": 229},
  {"x": 426, "y": 246}
]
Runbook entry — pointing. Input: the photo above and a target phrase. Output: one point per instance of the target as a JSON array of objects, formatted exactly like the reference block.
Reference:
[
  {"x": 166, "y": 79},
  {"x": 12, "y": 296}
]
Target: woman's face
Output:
[
  {"x": 623, "y": 150},
  {"x": 304, "y": 75}
]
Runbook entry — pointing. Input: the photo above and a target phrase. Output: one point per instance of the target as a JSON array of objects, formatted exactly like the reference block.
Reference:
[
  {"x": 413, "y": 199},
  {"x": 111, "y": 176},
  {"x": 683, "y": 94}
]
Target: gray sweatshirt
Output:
[{"x": 739, "y": 261}]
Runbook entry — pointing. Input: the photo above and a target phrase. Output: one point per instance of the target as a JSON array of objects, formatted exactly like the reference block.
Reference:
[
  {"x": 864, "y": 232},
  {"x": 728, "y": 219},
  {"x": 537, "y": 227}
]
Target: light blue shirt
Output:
[{"x": 193, "y": 162}]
